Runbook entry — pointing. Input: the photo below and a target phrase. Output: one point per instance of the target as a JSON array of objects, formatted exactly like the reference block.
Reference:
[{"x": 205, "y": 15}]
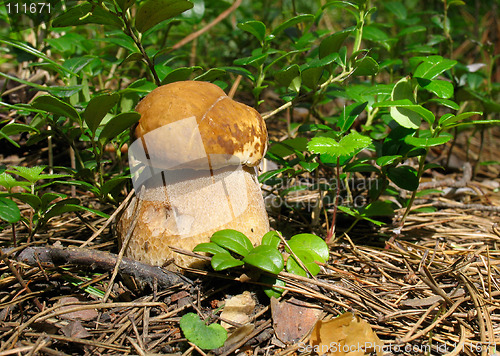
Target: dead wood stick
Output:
[
  {"x": 478, "y": 207},
  {"x": 198, "y": 33},
  {"x": 99, "y": 259},
  {"x": 450, "y": 182}
]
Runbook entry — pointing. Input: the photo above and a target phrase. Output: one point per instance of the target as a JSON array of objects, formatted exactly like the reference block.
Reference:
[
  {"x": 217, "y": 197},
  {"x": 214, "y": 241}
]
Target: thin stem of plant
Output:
[
  {"x": 421, "y": 167},
  {"x": 138, "y": 43},
  {"x": 331, "y": 233}
]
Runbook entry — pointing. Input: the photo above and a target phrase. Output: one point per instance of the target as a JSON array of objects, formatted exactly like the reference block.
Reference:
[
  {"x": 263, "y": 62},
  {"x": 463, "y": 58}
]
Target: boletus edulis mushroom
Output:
[{"x": 193, "y": 166}]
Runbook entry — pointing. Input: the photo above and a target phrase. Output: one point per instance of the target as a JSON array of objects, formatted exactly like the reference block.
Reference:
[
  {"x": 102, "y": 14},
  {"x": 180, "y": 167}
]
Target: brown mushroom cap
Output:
[{"x": 231, "y": 133}]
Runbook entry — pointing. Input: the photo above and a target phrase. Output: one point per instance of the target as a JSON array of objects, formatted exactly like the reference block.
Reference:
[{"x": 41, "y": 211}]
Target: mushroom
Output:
[{"x": 193, "y": 166}]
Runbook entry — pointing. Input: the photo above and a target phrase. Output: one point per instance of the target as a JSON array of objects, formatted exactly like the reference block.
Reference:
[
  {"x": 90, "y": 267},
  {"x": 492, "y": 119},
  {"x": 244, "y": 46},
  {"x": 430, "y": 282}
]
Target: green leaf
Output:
[
  {"x": 152, "y": 12},
  {"x": 67, "y": 90},
  {"x": 272, "y": 239},
  {"x": 448, "y": 103},
  {"x": 448, "y": 120},
  {"x": 28, "y": 49},
  {"x": 84, "y": 14},
  {"x": 332, "y": 43},
  {"x": 360, "y": 166},
  {"x": 224, "y": 260},
  {"x": 266, "y": 258},
  {"x": 232, "y": 240},
  {"x": 34, "y": 201},
  {"x": 56, "y": 106},
  {"x": 76, "y": 64},
  {"x": 441, "y": 88},
  {"x": 311, "y": 128},
  {"x": 210, "y": 75},
  {"x": 245, "y": 73},
  {"x": 432, "y": 66},
  {"x": 256, "y": 28},
  {"x": 397, "y": 8},
  {"x": 48, "y": 198},
  {"x": 287, "y": 75},
  {"x": 112, "y": 183},
  {"x": 274, "y": 281},
  {"x": 97, "y": 108},
  {"x": 125, "y": 4},
  {"x": 205, "y": 337},
  {"x": 292, "y": 22},
  {"x": 179, "y": 74},
  {"x": 386, "y": 160},
  {"x": 209, "y": 247},
  {"x": 31, "y": 174},
  {"x": 365, "y": 66},
  {"x": 311, "y": 76},
  {"x": 404, "y": 177},
  {"x": 427, "y": 141},
  {"x": 15, "y": 129},
  {"x": 307, "y": 257},
  {"x": 403, "y": 90},
  {"x": 117, "y": 125},
  {"x": 349, "y": 114},
  {"x": 346, "y": 146},
  {"x": 309, "y": 166},
  {"x": 477, "y": 122},
  {"x": 64, "y": 206},
  {"x": 9, "y": 211},
  {"x": 8, "y": 182},
  {"x": 271, "y": 174},
  {"x": 378, "y": 208},
  {"x": 312, "y": 243},
  {"x": 255, "y": 60}
]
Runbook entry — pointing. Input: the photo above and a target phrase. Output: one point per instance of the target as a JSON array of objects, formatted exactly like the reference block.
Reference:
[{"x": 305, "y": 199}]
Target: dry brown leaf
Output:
[
  {"x": 346, "y": 335},
  {"x": 292, "y": 319},
  {"x": 238, "y": 309},
  {"x": 85, "y": 314},
  {"x": 75, "y": 329}
]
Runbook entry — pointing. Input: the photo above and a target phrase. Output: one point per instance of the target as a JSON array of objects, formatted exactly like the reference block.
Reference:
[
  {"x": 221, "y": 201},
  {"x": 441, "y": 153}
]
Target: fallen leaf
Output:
[
  {"x": 292, "y": 319},
  {"x": 86, "y": 314},
  {"x": 75, "y": 329},
  {"x": 238, "y": 309},
  {"x": 346, "y": 335}
]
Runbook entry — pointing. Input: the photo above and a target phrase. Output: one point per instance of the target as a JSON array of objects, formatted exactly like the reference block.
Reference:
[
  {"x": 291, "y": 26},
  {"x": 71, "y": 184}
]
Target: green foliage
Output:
[
  {"x": 204, "y": 336},
  {"x": 266, "y": 257}
]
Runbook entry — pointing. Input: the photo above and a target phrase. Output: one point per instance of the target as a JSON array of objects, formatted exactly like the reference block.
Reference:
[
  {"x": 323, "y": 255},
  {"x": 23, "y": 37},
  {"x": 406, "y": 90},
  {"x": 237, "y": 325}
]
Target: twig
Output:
[
  {"x": 20, "y": 279},
  {"x": 110, "y": 219},
  {"x": 198, "y": 33},
  {"x": 126, "y": 240},
  {"x": 99, "y": 259}
]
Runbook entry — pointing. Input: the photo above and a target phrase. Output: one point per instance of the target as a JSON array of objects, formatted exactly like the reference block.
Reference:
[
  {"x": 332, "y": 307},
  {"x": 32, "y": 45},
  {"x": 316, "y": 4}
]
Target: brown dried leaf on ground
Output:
[
  {"x": 293, "y": 319},
  {"x": 75, "y": 329},
  {"x": 85, "y": 314},
  {"x": 346, "y": 335}
]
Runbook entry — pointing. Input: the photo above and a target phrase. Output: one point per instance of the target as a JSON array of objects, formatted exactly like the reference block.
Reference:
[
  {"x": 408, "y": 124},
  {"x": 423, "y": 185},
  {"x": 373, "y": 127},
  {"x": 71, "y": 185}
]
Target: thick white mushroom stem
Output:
[{"x": 189, "y": 208}]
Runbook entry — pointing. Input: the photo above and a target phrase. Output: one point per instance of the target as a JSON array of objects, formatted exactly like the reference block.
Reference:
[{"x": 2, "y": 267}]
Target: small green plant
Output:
[
  {"x": 204, "y": 336},
  {"x": 304, "y": 251},
  {"x": 43, "y": 205}
]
